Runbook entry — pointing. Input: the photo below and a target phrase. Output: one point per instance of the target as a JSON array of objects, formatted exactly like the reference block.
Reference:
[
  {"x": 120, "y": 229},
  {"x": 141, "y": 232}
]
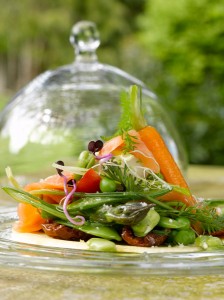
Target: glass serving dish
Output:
[
  {"x": 59, "y": 112},
  {"x": 64, "y": 259}
]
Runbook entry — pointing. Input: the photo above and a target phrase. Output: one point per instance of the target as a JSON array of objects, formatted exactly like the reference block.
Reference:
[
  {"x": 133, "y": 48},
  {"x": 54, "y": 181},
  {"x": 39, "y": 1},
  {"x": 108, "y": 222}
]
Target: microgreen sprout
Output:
[
  {"x": 96, "y": 147},
  {"x": 68, "y": 196},
  {"x": 60, "y": 173},
  {"x": 61, "y": 163},
  {"x": 65, "y": 203}
]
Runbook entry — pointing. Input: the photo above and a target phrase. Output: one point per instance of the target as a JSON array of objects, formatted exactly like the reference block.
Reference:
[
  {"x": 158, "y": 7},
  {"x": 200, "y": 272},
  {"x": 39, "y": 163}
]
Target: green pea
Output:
[
  {"x": 207, "y": 241},
  {"x": 172, "y": 235},
  {"x": 107, "y": 185},
  {"x": 179, "y": 223},
  {"x": 97, "y": 244},
  {"x": 185, "y": 236}
]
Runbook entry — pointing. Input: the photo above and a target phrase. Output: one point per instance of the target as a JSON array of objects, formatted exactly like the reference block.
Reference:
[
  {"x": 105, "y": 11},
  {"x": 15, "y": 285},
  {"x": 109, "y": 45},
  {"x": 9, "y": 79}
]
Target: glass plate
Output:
[{"x": 27, "y": 255}]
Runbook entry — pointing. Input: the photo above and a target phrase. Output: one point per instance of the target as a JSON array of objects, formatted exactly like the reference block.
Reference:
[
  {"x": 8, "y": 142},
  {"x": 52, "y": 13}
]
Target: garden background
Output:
[{"x": 176, "y": 47}]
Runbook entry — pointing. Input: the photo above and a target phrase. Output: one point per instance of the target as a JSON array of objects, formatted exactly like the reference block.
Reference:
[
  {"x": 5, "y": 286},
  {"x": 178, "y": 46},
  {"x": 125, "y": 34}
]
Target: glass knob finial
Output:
[{"x": 85, "y": 38}]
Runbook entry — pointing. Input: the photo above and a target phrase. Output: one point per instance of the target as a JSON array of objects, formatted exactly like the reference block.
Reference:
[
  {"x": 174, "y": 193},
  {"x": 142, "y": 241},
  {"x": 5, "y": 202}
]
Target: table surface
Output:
[{"x": 24, "y": 284}]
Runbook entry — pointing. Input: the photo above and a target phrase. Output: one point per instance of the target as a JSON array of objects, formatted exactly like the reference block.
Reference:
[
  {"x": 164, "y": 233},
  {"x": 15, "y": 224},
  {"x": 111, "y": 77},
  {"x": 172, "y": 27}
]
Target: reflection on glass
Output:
[{"x": 56, "y": 114}]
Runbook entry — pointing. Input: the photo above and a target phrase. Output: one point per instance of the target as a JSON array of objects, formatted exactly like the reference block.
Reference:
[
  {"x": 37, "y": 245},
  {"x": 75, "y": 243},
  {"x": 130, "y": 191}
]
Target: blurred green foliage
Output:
[
  {"x": 186, "y": 42},
  {"x": 176, "y": 47}
]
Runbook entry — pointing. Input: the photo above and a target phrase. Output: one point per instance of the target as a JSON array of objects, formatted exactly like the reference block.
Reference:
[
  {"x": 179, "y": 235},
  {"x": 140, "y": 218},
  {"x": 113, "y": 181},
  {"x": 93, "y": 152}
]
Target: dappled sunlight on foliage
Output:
[
  {"x": 176, "y": 47},
  {"x": 185, "y": 42}
]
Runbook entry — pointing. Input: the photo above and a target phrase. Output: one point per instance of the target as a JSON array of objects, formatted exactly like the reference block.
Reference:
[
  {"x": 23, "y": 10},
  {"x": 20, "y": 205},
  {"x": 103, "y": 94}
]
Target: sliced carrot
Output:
[
  {"x": 112, "y": 145},
  {"x": 51, "y": 182},
  {"x": 116, "y": 144},
  {"x": 169, "y": 169},
  {"x": 55, "y": 182},
  {"x": 33, "y": 186},
  {"x": 30, "y": 219}
]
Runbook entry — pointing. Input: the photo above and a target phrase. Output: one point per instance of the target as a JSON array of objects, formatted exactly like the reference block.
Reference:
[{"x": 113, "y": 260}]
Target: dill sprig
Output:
[
  {"x": 131, "y": 118},
  {"x": 209, "y": 219},
  {"x": 129, "y": 142},
  {"x": 118, "y": 171}
]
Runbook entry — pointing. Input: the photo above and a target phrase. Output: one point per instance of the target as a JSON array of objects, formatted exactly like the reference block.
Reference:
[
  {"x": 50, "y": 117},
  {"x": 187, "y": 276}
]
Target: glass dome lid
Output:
[{"x": 60, "y": 111}]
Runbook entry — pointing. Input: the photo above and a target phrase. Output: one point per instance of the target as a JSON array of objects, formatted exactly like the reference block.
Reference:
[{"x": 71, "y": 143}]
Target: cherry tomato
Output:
[{"x": 89, "y": 183}]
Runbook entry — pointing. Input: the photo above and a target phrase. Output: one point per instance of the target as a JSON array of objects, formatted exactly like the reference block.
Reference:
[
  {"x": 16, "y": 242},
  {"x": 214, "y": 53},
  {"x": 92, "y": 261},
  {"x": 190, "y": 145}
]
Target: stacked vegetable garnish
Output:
[{"x": 127, "y": 190}]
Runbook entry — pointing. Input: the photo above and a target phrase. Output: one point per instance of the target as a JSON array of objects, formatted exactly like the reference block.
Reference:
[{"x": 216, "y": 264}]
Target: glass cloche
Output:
[{"x": 59, "y": 112}]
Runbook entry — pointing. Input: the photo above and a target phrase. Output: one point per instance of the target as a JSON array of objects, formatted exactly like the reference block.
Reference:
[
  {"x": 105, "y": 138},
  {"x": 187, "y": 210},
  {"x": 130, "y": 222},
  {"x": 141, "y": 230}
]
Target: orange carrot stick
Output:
[
  {"x": 142, "y": 153},
  {"x": 169, "y": 169}
]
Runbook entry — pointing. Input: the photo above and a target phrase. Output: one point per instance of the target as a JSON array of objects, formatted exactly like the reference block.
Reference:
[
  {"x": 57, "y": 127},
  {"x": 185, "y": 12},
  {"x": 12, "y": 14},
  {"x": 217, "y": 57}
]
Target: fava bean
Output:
[
  {"x": 143, "y": 227},
  {"x": 98, "y": 244},
  {"x": 178, "y": 223},
  {"x": 207, "y": 241},
  {"x": 185, "y": 237}
]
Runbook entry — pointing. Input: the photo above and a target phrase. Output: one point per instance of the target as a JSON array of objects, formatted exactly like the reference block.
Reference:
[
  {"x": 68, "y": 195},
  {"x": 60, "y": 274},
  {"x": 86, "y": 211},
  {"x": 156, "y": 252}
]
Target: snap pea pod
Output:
[
  {"x": 134, "y": 195},
  {"x": 24, "y": 197},
  {"x": 95, "y": 229},
  {"x": 92, "y": 202},
  {"x": 47, "y": 192},
  {"x": 85, "y": 160}
]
